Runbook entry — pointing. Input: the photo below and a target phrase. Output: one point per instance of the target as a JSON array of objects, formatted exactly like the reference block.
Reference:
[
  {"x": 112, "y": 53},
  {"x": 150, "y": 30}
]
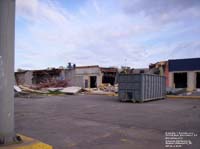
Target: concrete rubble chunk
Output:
[
  {"x": 17, "y": 89},
  {"x": 71, "y": 90},
  {"x": 27, "y": 89}
]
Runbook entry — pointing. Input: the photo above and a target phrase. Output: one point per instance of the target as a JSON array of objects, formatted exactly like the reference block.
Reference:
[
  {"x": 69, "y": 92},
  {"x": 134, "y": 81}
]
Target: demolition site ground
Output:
[{"x": 102, "y": 122}]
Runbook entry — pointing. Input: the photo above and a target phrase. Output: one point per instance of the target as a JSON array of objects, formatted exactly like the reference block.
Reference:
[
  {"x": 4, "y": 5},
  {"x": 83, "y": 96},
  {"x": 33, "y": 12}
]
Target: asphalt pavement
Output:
[{"x": 102, "y": 122}]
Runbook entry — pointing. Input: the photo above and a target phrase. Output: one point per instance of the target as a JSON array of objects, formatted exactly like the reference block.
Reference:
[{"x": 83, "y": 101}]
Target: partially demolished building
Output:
[
  {"x": 24, "y": 77},
  {"x": 179, "y": 73},
  {"x": 160, "y": 68},
  {"x": 89, "y": 76},
  {"x": 83, "y": 76},
  {"x": 109, "y": 75},
  {"x": 33, "y": 77}
]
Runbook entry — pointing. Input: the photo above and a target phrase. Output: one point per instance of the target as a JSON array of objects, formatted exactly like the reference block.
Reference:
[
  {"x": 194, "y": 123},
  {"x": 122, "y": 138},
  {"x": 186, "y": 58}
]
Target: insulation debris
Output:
[
  {"x": 71, "y": 90},
  {"x": 17, "y": 89},
  {"x": 108, "y": 87},
  {"x": 103, "y": 89}
]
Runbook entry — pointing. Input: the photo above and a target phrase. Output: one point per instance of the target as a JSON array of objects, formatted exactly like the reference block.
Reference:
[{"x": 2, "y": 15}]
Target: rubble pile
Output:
[
  {"x": 21, "y": 90},
  {"x": 103, "y": 89},
  {"x": 53, "y": 84},
  {"x": 107, "y": 87},
  {"x": 182, "y": 92},
  {"x": 54, "y": 87}
]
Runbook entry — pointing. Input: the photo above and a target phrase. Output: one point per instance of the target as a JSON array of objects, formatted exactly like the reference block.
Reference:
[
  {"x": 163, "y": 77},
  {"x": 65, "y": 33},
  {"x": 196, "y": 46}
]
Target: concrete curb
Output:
[
  {"x": 28, "y": 143},
  {"x": 183, "y": 97}
]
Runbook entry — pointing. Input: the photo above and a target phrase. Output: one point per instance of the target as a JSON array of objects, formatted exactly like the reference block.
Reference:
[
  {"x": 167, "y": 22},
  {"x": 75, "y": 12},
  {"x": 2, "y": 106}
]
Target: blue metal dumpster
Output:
[{"x": 141, "y": 87}]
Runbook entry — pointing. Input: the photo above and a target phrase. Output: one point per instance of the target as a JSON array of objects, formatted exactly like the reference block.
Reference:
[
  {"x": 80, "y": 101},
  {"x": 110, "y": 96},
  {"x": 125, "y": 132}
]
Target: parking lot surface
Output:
[{"x": 102, "y": 122}]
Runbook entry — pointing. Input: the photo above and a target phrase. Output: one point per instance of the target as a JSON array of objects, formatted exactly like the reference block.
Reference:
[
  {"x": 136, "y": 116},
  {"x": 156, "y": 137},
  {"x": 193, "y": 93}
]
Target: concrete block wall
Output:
[
  {"x": 24, "y": 78},
  {"x": 167, "y": 74},
  {"x": 171, "y": 79},
  {"x": 28, "y": 78},
  {"x": 85, "y": 73},
  {"x": 191, "y": 79},
  {"x": 87, "y": 77}
]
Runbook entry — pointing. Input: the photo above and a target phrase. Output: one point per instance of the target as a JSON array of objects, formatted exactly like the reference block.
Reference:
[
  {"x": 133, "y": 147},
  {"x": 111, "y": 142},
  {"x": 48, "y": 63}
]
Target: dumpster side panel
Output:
[
  {"x": 130, "y": 87},
  {"x": 141, "y": 87}
]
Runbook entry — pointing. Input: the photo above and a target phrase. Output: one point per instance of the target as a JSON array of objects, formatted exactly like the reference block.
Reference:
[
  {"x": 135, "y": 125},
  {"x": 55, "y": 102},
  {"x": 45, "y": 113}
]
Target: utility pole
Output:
[
  {"x": 7, "y": 35},
  {"x": 8, "y": 137}
]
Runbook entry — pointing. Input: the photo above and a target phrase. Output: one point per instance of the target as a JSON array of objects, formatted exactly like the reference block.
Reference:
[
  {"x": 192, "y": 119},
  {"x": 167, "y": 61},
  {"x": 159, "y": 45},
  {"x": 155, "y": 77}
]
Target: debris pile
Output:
[
  {"x": 27, "y": 89},
  {"x": 54, "y": 87},
  {"x": 182, "y": 92},
  {"x": 103, "y": 89},
  {"x": 53, "y": 84},
  {"x": 175, "y": 91},
  {"x": 107, "y": 87},
  {"x": 25, "y": 92},
  {"x": 60, "y": 87}
]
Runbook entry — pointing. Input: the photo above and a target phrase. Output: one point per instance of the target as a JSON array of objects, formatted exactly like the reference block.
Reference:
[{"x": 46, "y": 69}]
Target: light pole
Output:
[{"x": 7, "y": 35}]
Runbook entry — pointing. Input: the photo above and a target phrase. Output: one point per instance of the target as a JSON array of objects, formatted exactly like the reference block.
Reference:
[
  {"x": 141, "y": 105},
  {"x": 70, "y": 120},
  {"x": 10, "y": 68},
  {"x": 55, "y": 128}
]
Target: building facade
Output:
[
  {"x": 83, "y": 76},
  {"x": 89, "y": 76},
  {"x": 184, "y": 73}
]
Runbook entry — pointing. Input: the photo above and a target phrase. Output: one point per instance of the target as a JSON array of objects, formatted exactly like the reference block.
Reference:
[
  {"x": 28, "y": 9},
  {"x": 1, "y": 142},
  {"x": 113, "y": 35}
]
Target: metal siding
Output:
[
  {"x": 184, "y": 64},
  {"x": 151, "y": 87},
  {"x": 142, "y": 86}
]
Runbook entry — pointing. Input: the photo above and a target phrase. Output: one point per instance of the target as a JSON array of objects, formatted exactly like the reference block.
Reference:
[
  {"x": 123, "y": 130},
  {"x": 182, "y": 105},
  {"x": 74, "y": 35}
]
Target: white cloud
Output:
[
  {"x": 96, "y": 6},
  {"x": 163, "y": 11},
  {"x": 95, "y": 34}
]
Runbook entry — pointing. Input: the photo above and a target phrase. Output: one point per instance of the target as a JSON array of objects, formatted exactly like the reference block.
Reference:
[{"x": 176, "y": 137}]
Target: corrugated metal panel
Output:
[
  {"x": 184, "y": 64},
  {"x": 141, "y": 87}
]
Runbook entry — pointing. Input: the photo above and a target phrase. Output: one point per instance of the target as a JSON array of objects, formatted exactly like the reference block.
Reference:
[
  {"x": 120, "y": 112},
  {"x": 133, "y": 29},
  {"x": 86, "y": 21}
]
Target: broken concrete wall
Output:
[
  {"x": 19, "y": 77},
  {"x": 69, "y": 76},
  {"x": 24, "y": 78},
  {"x": 73, "y": 79},
  {"x": 166, "y": 74},
  {"x": 48, "y": 75},
  {"x": 162, "y": 69},
  {"x": 28, "y": 77},
  {"x": 109, "y": 75},
  {"x": 62, "y": 75}
]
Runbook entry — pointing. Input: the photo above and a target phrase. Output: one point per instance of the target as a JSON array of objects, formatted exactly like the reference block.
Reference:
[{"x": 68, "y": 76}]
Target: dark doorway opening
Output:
[
  {"x": 109, "y": 75},
  {"x": 109, "y": 78},
  {"x": 180, "y": 80},
  {"x": 198, "y": 80},
  {"x": 93, "y": 81}
]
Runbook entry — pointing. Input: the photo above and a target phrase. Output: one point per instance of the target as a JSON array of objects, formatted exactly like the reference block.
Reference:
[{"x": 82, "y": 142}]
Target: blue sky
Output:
[{"x": 51, "y": 33}]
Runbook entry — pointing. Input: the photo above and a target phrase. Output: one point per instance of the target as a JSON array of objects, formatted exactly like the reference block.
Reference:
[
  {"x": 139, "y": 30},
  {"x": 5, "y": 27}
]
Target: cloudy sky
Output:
[{"x": 51, "y": 33}]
